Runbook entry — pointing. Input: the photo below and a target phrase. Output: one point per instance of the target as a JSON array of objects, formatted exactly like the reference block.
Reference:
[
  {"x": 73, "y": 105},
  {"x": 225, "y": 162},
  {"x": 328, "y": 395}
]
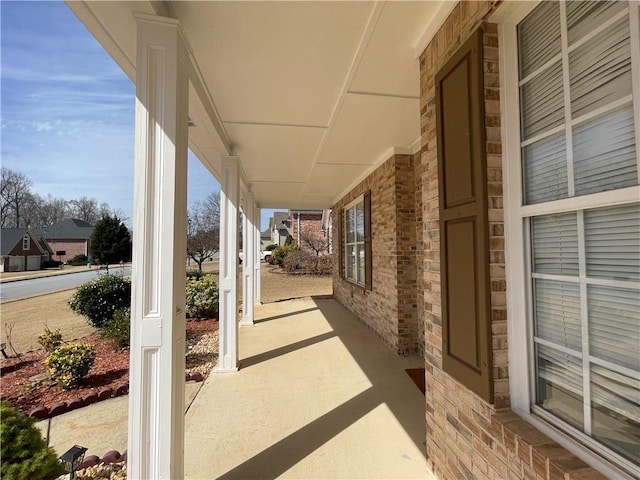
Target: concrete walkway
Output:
[
  {"x": 317, "y": 396},
  {"x": 100, "y": 427}
]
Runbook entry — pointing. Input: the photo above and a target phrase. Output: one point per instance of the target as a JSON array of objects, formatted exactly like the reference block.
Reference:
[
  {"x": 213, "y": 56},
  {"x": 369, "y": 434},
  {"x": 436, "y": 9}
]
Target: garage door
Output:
[
  {"x": 33, "y": 262},
  {"x": 16, "y": 264}
]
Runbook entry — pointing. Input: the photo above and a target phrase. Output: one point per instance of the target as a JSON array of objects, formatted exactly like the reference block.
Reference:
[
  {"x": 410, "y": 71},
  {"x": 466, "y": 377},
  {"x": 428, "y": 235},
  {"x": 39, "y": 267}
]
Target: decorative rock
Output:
[
  {"x": 58, "y": 408},
  {"x": 39, "y": 413},
  {"x": 121, "y": 389},
  {"x": 39, "y": 379},
  {"x": 111, "y": 456},
  {"x": 75, "y": 403},
  {"x": 89, "y": 461},
  {"x": 104, "y": 394}
]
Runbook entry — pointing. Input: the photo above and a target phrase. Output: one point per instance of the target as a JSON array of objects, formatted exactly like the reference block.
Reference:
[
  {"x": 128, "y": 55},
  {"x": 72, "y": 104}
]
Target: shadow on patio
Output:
[{"x": 317, "y": 396}]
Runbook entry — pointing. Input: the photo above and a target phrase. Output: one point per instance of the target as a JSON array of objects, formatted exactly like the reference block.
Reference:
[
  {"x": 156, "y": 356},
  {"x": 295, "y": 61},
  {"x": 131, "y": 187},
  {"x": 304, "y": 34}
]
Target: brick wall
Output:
[
  {"x": 405, "y": 254},
  {"x": 467, "y": 437},
  {"x": 389, "y": 309},
  {"x": 419, "y": 251},
  {"x": 71, "y": 247},
  {"x": 306, "y": 229}
]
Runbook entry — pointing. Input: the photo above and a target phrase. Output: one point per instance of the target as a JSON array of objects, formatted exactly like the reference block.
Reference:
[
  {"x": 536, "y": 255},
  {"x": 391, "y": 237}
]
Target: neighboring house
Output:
[
  {"x": 265, "y": 238},
  {"x": 481, "y": 160},
  {"x": 327, "y": 227},
  {"x": 311, "y": 227},
  {"x": 71, "y": 236},
  {"x": 20, "y": 250},
  {"x": 280, "y": 227},
  {"x": 48, "y": 251}
]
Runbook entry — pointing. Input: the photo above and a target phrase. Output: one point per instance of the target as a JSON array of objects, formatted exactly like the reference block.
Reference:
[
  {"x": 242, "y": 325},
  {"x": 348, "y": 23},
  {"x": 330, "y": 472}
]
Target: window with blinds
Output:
[
  {"x": 579, "y": 113},
  {"x": 355, "y": 242}
]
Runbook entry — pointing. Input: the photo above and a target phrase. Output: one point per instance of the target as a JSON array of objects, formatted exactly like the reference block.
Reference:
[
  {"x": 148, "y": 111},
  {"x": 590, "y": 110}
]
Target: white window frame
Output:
[
  {"x": 517, "y": 248},
  {"x": 26, "y": 242},
  {"x": 350, "y": 206}
]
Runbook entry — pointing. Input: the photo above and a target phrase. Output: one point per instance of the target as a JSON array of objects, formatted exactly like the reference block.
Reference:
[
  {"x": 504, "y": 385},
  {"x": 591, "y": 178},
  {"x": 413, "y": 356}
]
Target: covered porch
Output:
[
  {"x": 317, "y": 395},
  {"x": 288, "y": 105}
]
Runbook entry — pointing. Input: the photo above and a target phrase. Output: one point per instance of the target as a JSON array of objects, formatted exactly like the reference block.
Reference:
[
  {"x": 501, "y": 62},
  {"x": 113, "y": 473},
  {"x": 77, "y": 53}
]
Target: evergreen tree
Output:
[
  {"x": 110, "y": 242},
  {"x": 25, "y": 455}
]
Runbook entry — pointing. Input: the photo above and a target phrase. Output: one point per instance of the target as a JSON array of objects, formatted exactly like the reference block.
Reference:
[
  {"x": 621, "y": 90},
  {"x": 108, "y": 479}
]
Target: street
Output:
[{"x": 37, "y": 286}]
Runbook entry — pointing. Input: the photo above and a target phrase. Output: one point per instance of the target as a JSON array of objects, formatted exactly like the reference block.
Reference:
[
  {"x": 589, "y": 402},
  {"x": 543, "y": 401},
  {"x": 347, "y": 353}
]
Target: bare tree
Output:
[
  {"x": 203, "y": 229},
  {"x": 85, "y": 208},
  {"x": 312, "y": 239},
  {"x": 20, "y": 207},
  {"x": 15, "y": 193},
  {"x": 50, "y": 210}
]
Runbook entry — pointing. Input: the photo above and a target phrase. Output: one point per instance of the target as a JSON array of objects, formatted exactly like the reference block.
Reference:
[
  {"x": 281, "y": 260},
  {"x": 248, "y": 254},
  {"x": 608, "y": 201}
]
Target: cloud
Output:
[
  {"x": 68, "y": 110},
  {"x": 42, "y": 126}
]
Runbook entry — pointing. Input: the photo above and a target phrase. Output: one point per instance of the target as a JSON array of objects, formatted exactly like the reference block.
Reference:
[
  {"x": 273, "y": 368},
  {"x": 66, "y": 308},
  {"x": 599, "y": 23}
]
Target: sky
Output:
[{"x": 67, "y": 110}]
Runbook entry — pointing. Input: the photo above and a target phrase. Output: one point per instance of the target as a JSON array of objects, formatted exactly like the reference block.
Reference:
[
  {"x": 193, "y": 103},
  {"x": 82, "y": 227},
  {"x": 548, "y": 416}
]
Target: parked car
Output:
[{"x": 265, "y": 255}]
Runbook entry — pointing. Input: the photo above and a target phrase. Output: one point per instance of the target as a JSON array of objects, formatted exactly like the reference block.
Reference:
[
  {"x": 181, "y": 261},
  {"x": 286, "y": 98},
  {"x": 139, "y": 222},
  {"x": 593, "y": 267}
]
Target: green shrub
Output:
[
  {"x": 270, "y": 247},
  {"x": 202, "y": 297},
  {"x": 70, "y": 364},
  {"x": 194, "y": 273},
  {"x": 25, "y": 456},
  {"x": 50, "y": 340},
  {"x": 119, "y": 328},
  {"x": 99, "y": 299},
  {"x": 280, "y": 252},
  {"x": 79, "y": 260}
]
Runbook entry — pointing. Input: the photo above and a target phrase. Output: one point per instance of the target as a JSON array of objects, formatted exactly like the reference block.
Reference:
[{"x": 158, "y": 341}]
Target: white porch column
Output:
[
  {"x": 156, "y": 394},
  {"x": 257, "y": 284},
  {"x": 228, "y": 322},
  {"x": 249, "y": 262}
]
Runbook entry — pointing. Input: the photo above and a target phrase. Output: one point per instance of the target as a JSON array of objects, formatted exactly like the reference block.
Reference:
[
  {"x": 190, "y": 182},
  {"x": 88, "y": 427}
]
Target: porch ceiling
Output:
[{"x": 312, "y": 96}]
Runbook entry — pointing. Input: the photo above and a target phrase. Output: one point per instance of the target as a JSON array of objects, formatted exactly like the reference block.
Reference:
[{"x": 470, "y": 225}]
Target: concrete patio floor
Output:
[{"x": 317, "y": 396}]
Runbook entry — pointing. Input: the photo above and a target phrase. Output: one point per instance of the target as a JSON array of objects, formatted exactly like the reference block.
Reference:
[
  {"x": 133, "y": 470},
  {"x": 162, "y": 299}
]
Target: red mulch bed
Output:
[{"x": 110, "y": 369}]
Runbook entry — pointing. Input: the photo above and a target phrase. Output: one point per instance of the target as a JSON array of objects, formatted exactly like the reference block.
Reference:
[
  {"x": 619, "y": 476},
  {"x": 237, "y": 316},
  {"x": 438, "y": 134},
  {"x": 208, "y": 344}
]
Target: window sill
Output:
[
  {"x": 542, "y": 446},
  {"x": 354, "y": 284}
]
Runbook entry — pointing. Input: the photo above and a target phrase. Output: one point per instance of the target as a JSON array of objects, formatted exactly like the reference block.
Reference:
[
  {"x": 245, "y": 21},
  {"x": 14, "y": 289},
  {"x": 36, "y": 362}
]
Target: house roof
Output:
[
  {"x": 277, "y": 219},
  {"x": 66, "y": 229},
  {"x": 306, "y": 212},
  {"x": 45, "y": 245},
  {"x": 9, "y": 237}
]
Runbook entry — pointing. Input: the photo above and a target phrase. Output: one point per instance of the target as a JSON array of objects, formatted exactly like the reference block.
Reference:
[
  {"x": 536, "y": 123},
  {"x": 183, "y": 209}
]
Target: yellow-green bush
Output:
[
  {"x": 280, "y": 252},
  {"x": 70, "y": 364},
  {"x": 50, "y": 339}
]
